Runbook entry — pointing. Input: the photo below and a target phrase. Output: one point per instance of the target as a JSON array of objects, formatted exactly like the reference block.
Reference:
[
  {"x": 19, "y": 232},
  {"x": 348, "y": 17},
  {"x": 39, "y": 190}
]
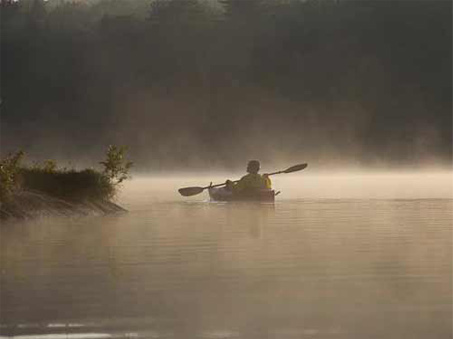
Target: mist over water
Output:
[
  {"x": 302, "y": 186},
  {"x": 338, "y": 255},
  {"x": 357, "y": 246}
]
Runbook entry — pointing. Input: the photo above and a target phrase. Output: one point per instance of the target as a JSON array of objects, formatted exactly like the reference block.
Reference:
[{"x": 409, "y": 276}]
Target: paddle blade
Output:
[
  {"x": 295, "y": 168},
  {"x": 189, "y": 191}
]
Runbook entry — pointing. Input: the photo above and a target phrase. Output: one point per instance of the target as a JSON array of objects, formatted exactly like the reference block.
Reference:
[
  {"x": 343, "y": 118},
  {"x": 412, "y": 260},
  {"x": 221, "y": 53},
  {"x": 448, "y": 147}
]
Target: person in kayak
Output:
[{"x": 252, "y": 181}]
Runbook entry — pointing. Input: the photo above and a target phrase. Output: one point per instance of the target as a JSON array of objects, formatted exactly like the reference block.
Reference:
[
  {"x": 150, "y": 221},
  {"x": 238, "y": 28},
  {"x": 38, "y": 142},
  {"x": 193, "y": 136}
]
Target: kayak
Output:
[{"x": 223, "y": 194}]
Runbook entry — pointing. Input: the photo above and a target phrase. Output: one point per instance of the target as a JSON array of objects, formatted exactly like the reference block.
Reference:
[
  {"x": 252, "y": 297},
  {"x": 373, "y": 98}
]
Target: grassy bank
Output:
[
  {"x": 27, "y": 190},
  {"x": 68, "y": 185}
]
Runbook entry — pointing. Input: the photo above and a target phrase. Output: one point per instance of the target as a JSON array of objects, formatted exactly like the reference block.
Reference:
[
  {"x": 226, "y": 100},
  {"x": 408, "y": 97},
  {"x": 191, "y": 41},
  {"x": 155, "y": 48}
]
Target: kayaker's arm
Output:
[
  {"x": 240, "y": 185},
  {"x": 229, "y": 185}
]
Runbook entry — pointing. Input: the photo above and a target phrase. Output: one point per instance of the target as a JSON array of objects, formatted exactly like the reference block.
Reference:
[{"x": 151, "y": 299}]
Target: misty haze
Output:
[
  {"x": 234, "y": 169},
  {"x": 208, "y": 85}
]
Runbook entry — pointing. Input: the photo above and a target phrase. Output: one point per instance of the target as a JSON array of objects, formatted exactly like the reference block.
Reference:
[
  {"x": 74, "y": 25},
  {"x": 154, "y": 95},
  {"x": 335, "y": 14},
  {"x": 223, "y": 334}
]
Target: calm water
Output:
[{"x": 364, "y": 256}]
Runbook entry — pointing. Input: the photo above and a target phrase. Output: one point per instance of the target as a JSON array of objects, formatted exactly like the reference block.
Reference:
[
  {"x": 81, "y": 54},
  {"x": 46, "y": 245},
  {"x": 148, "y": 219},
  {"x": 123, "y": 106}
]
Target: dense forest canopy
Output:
[{"x": 211, "y": 84}]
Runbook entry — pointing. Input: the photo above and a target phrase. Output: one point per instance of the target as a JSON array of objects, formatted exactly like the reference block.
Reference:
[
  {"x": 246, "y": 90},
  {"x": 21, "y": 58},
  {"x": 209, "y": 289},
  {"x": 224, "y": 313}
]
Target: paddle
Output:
[{"x": 189, "y": 191}]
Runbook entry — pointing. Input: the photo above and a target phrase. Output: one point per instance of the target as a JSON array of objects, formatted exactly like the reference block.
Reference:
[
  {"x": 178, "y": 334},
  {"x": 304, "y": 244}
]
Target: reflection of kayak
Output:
[{"x": 223, "y": 194}]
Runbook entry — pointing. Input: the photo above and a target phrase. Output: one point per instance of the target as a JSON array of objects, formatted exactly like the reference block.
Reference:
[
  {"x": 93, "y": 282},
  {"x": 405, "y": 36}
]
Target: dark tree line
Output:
[{"x": 205, "y": 83}]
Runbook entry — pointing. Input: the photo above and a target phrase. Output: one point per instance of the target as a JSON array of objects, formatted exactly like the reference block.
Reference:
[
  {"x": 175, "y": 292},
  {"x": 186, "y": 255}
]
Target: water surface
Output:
[{"x": 345, "y": 256}]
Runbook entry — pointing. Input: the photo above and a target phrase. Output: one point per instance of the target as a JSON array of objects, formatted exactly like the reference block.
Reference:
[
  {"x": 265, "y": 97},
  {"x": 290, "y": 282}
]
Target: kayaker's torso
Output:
[{"x": 252, "y": 181}]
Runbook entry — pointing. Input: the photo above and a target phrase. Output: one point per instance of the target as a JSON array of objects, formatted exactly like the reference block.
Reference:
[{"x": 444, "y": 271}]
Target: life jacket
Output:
[{"x": 252, "y": 181}]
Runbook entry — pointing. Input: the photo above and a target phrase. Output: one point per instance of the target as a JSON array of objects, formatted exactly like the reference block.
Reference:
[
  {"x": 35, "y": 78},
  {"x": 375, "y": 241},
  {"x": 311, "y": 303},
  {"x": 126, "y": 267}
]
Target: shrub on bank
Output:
[
  {"x": 68, "y": 185},
  {"x": 71, "y": 185},
  {"x": 10, "y": 167}
]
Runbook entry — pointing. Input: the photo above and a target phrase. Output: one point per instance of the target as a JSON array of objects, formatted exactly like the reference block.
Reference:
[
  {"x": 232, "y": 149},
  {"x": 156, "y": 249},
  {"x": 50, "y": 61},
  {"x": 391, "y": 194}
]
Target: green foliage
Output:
[
  {"x": 116, "y": 168},
  {"x": 48, "y": 165},
  {"x": 62, "y": 183},
  {"x": 69, "y": 185},
  {"x": 9, "y": 173}
]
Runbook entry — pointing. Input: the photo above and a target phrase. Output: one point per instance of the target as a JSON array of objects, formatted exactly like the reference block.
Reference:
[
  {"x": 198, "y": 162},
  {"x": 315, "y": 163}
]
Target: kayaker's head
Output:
[{"x": 253, "y": 166}]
